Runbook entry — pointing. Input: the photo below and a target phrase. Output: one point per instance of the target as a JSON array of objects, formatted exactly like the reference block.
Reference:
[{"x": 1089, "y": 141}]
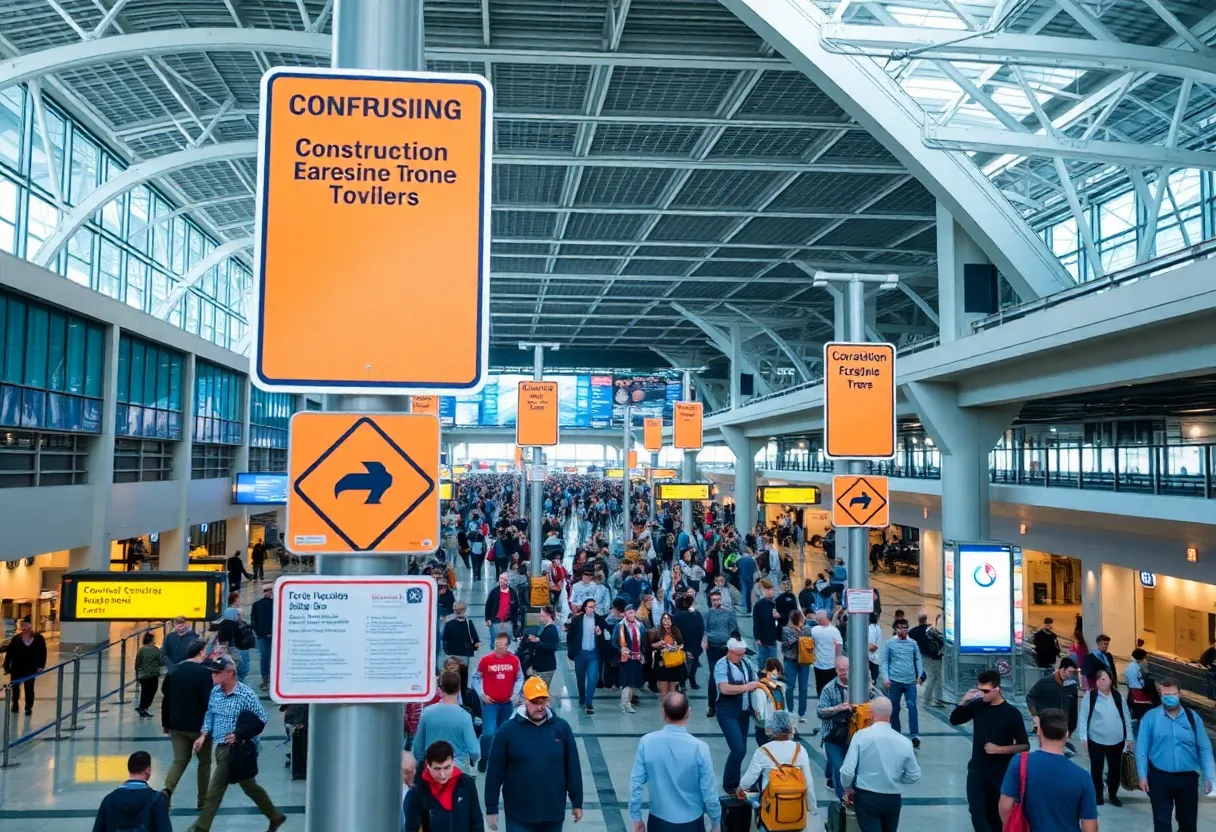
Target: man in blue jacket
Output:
[
  {"x": 534, "y": 746},
  {"x": 134, "y": 804}
]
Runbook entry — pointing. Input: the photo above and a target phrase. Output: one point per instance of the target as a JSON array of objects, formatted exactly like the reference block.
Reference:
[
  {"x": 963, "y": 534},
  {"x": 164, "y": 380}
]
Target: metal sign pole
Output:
[
  {"x": 859, "y": 538},
  {"x": 538, "y": 372},
  {"x": 626, "y": 444},
  {"x": 354, "y": 750},
  {"x": 690, "y": 464}
]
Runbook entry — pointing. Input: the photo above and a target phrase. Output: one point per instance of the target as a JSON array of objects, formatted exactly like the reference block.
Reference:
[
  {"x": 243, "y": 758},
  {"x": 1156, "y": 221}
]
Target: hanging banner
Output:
[
  {"x": 652, "y": 434},
  {"x": 686, "y": 426}
]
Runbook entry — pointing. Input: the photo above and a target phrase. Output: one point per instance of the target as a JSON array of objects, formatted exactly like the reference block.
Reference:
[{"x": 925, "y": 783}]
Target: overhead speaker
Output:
[
  {"x": 747, "y": 384},
  {"x": 980, "y": 293}
]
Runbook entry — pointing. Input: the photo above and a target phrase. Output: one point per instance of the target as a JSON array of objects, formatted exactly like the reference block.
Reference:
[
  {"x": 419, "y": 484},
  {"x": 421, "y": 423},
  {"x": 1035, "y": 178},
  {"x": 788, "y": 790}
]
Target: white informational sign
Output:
[
  {"x": 985, "y": 598},
  {"x": 859, "y": 601},
  {"x": 537, "y": 473},
  {"x": 356, "y": 639},
  {"x": 948, "y": 596}
]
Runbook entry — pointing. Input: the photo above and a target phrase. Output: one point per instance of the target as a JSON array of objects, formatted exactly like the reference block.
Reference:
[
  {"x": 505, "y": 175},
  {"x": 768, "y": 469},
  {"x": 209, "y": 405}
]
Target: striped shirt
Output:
[
  {"x": 224, "y": 708},
  {"x": 900, "y": 661}
]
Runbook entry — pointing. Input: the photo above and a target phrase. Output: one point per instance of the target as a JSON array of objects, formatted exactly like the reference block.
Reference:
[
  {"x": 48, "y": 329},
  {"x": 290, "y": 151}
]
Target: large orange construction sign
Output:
[
  {"x": 373, "y": 240},
  {"x": 652, "y": 434},
  {"x": 859, "y": 400}
]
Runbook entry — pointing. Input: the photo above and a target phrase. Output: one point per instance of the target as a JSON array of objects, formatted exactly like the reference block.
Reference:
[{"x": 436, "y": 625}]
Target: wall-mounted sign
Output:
[{"x": 141, "y": 596}]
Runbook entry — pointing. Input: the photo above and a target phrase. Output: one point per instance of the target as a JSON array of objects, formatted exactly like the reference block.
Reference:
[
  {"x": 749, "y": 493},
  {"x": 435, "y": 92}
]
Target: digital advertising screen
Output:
[
  {"x": 948, "y": 597},
  {"x": 260, "y": 490},
  {"x": 600, "y": 398},
  {"x": 985, "y": 598},
  {"x": 646, "y": 394}
]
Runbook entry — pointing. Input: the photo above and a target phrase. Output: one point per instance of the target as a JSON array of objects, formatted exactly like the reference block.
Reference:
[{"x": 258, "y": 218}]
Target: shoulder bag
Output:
[{"x": 1017, "y": 821}]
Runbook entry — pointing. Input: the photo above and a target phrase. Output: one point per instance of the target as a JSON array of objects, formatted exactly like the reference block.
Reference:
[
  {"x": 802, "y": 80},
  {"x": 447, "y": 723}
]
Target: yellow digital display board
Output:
[
  {"x": 459, "y": 470},
  {"x": 682, "y": 491},
  {"x": 788, "y": 495},
  {"x": 141, "y": 596},
  {"x": 205, "y": 567},
  {"x": 445, "y": 490},
  {"x": 614, "y": 473}
]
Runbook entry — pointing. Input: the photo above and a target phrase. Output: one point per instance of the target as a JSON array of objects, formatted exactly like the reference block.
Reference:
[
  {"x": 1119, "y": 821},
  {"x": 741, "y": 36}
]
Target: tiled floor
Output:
[{"x": 58, "y": 785}]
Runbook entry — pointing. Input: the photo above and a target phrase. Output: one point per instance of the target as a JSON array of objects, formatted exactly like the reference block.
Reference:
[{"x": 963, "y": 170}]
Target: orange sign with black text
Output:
[
  {"x": 425, "y": 404},
  {"x": 631, "y": 460},
  {"x": 363, "y": 483},
  {"x": 860, "y": 501},
  {"x": 536, "y": 414},
  {"x": 372, "y": 249},
  {"x": 652, "y": 434},
  {"x": 859, "y": 400},
  {"x": 686, "y": 426},
  {"x": 519, "y": 458}
]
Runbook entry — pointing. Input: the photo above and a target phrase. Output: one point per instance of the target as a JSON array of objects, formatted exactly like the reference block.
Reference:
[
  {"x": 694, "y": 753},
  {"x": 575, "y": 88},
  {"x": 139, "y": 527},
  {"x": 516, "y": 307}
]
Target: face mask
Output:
[{"x": 1170, "y": 700}]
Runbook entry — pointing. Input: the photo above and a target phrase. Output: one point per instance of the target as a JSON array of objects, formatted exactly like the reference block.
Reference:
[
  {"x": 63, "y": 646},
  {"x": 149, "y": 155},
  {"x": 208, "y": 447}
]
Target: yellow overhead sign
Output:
[
  {"x": 663, "y": 473},
  {"x": 141, "y": 596},
  {"x": 788, "y": 495},
  {"x": 445, "y": 490},
  {"x": 683, "y": 491}
]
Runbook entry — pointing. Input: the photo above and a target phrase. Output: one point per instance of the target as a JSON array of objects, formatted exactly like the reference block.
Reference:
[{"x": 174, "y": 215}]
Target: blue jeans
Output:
[
  {"x": 733, "y": 721},
  {"x": 493, "y": 714},
  {"x": 517, "y": 826},
  {"x": 654, "y": 823},
  {"x": 797, "y": 676},
  {"x": 747, "y": 587},
  {"x": 835, "y": 754},
  {"x": 242, "y": 663},
  {"x": 764, "y": 652},
  {"x": 898, "y": 691},
  {"x": 587, "y": 674},
  {"x": 264, "y": 656}
]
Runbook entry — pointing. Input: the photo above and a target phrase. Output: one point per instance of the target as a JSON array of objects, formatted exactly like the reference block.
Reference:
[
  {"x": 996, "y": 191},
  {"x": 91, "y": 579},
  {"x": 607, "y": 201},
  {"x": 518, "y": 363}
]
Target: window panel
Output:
[
  {"x": 195, "y": 253},
  {"x": 137, "y": 218},
  {"x": 94, "y": 361},
  {"x": 9, "y": 198},
  {"x": 39, "y": 167},
  {"x": 137, "y": 283},
  {"x": 42, "y": 218},
  {"x": 207, "y": 331},
  {"x": 124, "y": 369},
  {"x": 138, "y": 355},
  {"x": 83, "y": 173},
  {"x": 192, "y": 313},
  {"x": 112, "y": 213},
  {"x": 14, "y": 341},
  {"x": 80, "y": 257},
  {"x": 151, "y": 362},
  {"x": 12, "y": 107},
  {"x": 77, "y": 344},
  {"x": 175, "y": 383},
  {"x": 164, "y": 363},
  {"x": 57, "y": 342},
  {"x": 109, "y": 270},
  {"x": 161, "y": 234},
  {"x": 178, "y": 252},
  {"x": 208, "y": 282},
  {"x": 36, "y": 324}
]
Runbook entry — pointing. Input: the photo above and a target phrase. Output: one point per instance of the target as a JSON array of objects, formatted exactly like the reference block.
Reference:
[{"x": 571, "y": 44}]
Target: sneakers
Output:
[
  {"x": 916, "y": 742},
  {"x": 627, "y": 709},
  {"x": 1114, "y": 801},
  {"x": 589, "y": 710},
  {"x": 276, "y": 823},
  {"x": 710, "y": 713},
  {"x": 802, "y": 719}
]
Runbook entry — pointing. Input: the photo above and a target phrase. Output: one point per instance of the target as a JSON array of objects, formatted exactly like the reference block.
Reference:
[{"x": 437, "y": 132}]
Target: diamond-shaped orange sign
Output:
[
  {"x": 860, "y": 501},
  {"x": 363, "y": 483}
]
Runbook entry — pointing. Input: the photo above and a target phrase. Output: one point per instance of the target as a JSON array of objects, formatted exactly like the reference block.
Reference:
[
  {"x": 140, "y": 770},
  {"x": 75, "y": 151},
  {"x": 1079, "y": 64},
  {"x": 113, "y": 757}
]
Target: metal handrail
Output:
[{"x": 59, "y": 669}]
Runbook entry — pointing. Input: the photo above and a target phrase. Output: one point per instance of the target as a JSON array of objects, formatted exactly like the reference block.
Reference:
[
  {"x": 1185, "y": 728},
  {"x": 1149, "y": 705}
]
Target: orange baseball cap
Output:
[{"x": 535, "y": 688}]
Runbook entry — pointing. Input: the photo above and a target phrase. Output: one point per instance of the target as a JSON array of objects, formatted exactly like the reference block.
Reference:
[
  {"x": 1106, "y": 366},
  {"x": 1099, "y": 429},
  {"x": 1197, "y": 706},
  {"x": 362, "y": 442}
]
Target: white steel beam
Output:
[
  {"x": 550, "y": 208},
  {"x": 795, "y": 358},
  {"x": 994, "y": 140},
  {"x": 723, "y": 342},
  {"x": 892, "y": 116},
  {"x": 233, "y": 39},
  {"x": 689, "y": 163},
  {"x": 899, "y": 42},
  {"x": 192, "y": 277},
  {"x": 133, "y": 177},
  {"x": 923, "y": 304}
]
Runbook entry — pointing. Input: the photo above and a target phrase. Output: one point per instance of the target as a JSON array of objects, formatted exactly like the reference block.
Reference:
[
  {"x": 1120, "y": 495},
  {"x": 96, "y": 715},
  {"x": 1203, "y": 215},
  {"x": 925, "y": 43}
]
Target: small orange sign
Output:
[
  {"x": 631, "y": 459},
  {"x": 373, "y": 232},
  {"x": 536, "y": 414},
  {"x": 425, "y": 404},
  {"x": 686, "y": 426},
  {"x": 652, "y": 434},
  {"x": 519, "y": 458},
  {"x": 363, "y": 483},
  {"x": 860, "y": 501},
  {"x": 859, "y": 400}
]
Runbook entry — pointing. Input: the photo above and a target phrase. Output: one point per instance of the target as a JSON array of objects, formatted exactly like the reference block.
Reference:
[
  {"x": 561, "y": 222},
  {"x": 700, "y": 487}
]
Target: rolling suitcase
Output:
[
  {"x": 840, "y": 820},
  {"x": 736, "y": 814},
  {"x": 299, "y": 752}
]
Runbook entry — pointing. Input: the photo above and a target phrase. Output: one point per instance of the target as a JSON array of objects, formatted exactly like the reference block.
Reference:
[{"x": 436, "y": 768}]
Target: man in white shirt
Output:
[
  {"x": 879, "y": 761},
  {"x": 828, "y": 645}
]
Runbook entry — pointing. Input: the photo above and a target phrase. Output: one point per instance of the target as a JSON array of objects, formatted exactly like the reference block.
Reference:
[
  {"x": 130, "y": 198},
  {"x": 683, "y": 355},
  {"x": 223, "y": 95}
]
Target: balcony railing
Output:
[{"x": 1174, "y": 470}]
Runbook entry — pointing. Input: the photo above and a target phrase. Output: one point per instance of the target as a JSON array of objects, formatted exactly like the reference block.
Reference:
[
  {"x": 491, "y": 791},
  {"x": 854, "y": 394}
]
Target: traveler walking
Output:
[
  {"x": 1104, "y": 727},
  {"x": 534, "y": 747},
  {"x": 173, "y": 648},
  {"x": 1172, "y": 752},
  {"x": 230, "y": 700},
  {"x": 585, "y": 639},
  {"x": 771, "y": 696},
  {"x": 448, "y": 722},
  {"x": 721, "y": 626},
  {"x": 588, "y": 587},
  {"x": 26, "y": 655},
  {"x": 746, "y": 564},
  {"x": 930, "y": 641},
  {"x": 668, "y": 660},
  {"x": 149, "y": 664},
  {"x": 502, "y": 607},
  {"x": 735, "y": 680},
  {"x": 999, "y": 734},
  {"x": 798, "y": 654},
  {"x": 1055, "y": 794},
  {"x": 901, "y": 670},
  {"x": 879, "y": 762},
  {"x": 828, "y": 645},
  {"x": 1057, "y": 690},
  {"x": 261, "y": 617},
  {"x": 460, "y": 640},
  {"x": 766, "y": 624},
  {"x": 692, "y": 626},
  {"x": 1098, "y": 659},
  {"x": 258, "y": 558},
  {"x": 676, "y": 769},
  {"x": 1046, "y": 647},
  {"x": 630, "y": 639},
  {"x": 780, "y": 769},
  {"x": 185, "y": 694},
  {"x": 134, "y": 804},
  {"x": 835, "y": 715},
  {"x": 235, "y": 566},
  {"x": 545, "y": 645},
  {"x": 498, "y": 680},
  {"x": 444, "y": 797}
]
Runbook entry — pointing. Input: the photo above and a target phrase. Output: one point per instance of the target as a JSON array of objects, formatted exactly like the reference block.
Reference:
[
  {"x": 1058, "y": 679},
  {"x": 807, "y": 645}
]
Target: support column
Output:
[
  {"x": 354, "y": 757},
  {"x": 745, "y": 449},
  {"x": 237, "y": 523},
  {"x": 96, "y": 556},
  {"x": 954, "y": 249},
  {"x": 736, "y": 366},
  {"x": 175, "y": 542},
  {"x": 964, "y": 435},
  {"x": 690, "y": 463}
]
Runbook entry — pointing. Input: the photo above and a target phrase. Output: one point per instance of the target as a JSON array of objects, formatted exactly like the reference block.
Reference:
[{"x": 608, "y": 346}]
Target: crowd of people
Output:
[{"x": 662, "y": 615}]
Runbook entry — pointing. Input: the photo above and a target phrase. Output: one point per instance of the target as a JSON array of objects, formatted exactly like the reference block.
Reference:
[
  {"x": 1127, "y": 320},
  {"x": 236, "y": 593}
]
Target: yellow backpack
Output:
[
  {"x": 783, "y": 801},
  {"x": 863, "y": 717},
  {"x": 806, "y": 650}
]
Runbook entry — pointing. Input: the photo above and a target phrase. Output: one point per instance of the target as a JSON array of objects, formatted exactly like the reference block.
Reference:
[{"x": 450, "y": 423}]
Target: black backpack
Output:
[
  {"x": 246, "y": 639},
  {"x": 145, "y": 815}
]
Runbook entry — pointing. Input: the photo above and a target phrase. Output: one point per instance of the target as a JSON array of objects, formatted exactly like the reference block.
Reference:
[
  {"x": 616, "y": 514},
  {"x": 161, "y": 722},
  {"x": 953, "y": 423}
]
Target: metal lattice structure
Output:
[{"x": 660, "y": 169}]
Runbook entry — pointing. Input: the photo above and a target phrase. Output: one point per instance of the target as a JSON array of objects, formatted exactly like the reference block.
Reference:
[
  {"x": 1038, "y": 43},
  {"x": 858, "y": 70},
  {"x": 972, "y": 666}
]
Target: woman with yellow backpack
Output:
[
  {"x": 798, "y": 651},
  {"x": 780, "y": 770}
]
